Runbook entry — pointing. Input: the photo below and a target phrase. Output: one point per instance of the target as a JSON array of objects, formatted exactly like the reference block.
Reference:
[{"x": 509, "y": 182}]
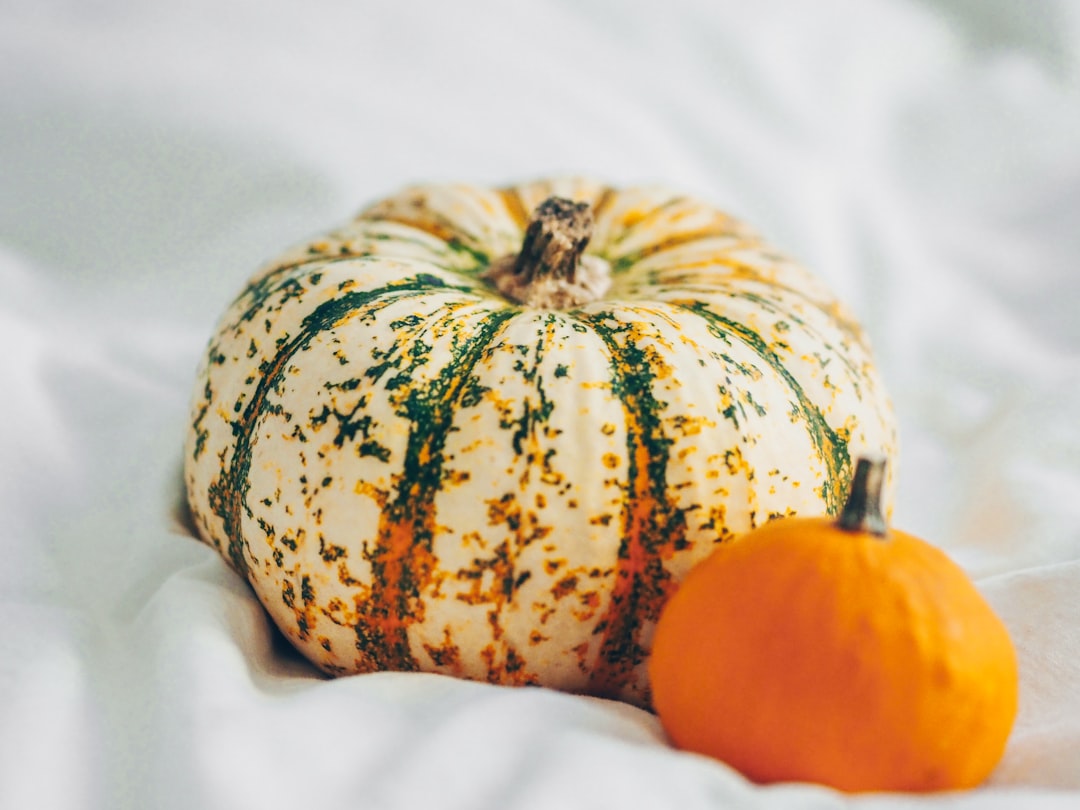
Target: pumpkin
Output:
[
  {"x": 485, "y": 432},
  {"x": 840, "y": 652}
]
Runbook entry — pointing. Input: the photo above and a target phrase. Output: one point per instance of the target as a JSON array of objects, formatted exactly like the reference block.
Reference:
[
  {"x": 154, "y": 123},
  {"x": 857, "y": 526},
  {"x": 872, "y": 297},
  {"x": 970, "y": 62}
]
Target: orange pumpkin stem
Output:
[{"x": 862, "y": 512}]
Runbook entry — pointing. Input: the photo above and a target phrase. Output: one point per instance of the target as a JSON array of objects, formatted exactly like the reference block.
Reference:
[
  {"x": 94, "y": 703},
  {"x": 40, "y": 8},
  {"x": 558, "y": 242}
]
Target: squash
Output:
[
  {"x": 485, "y": 432},
  {"x": 840, "y": 652}
]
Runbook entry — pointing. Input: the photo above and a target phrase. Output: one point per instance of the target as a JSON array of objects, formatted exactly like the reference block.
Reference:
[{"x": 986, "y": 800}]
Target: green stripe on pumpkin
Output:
[
  {"x": 831, "y": 447},
  {"x": 787, "y": 315},
  {"x": 653, "y": 526},
  {"x": 402, "y": 559},
  {"x": 228, "y": 492}
]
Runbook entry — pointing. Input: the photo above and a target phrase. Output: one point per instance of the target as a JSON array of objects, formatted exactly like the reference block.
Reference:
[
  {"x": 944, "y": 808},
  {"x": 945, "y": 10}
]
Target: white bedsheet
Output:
[{"x": 923, "y": 157}]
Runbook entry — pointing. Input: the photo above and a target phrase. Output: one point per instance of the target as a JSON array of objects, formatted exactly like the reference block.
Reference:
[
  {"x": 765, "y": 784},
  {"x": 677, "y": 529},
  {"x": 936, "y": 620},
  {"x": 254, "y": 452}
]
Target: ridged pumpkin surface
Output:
[{"x": 416, "y": 473}]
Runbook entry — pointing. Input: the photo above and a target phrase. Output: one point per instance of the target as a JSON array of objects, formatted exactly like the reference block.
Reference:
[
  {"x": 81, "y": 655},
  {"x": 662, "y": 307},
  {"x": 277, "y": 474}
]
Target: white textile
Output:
[{"x": 923, "y": 156}]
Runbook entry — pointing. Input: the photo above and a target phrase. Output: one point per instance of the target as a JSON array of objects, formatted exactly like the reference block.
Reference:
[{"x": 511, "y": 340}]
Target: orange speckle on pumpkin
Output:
[
  {"x": 368, "y": 489},
  {"x": 590, "y": 602},
  {"x": 564, "y": 586},
  {"x": 551, "y": 566},
  {"x": 552, "y": 477},
  {"x": 473, "y": 538},
  {"x": 582, "y": 652},
  {"x": 446, "y": 656},
  {"x": 457, "y": 477}
]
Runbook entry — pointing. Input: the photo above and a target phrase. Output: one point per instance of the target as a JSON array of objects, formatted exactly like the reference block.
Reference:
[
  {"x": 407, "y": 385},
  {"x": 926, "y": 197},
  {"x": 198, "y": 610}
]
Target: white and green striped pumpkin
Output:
[{"x": 425, "y": 454}]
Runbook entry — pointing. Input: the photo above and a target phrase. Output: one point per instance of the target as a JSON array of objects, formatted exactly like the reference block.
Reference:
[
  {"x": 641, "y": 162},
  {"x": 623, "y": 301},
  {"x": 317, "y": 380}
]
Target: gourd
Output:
[
  {"x": 486, "y": 432},
  {"x": 837, "y": 651}
]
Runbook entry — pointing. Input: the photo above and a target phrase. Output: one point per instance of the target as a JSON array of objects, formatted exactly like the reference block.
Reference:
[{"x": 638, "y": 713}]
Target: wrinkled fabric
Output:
[{"x": 920, "y": 156}]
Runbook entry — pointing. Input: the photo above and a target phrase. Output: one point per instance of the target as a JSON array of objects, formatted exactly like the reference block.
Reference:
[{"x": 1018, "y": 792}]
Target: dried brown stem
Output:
[{"x": 551, "y": 271}]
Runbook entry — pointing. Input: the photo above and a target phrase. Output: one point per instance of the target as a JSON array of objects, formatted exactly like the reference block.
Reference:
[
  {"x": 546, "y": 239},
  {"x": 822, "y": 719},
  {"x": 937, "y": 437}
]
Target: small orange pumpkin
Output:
[{"x": 839, "y": 652}]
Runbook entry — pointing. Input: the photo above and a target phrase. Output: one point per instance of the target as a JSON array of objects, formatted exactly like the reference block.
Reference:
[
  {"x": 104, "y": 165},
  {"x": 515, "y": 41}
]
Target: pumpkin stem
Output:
[
  {"x": 551, "y": 271},
  {"x": 555, "y": 239},
  {"x": 862, "y": 512}
]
